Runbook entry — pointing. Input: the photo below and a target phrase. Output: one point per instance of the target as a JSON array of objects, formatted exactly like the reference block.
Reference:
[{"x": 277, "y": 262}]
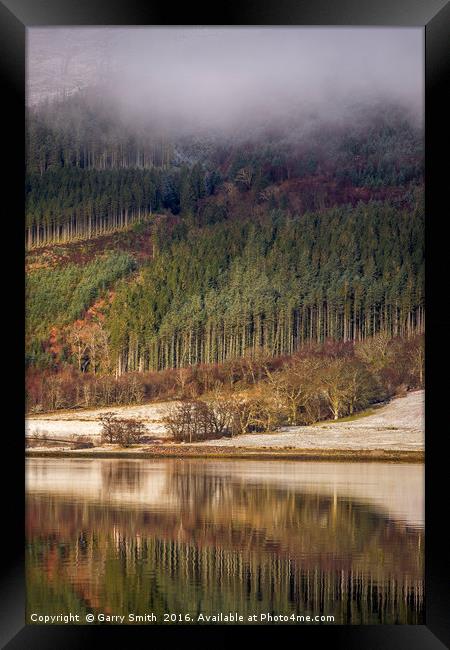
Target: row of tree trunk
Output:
[
  {"x": 41, "y": 158},
  {"x": 282, "y": 334},
  {"x": 76, "y": 228}
]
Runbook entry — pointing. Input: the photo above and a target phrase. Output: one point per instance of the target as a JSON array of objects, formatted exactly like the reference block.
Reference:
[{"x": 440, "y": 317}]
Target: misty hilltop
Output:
[
  {"x": 222, "y": 77},
  {"x": 170, "y": 96}
]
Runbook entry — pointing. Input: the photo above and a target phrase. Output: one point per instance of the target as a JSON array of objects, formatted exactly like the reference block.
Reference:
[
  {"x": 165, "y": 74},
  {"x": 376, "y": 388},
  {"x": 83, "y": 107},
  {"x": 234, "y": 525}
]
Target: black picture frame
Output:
[{"x": 433, "y": 15}]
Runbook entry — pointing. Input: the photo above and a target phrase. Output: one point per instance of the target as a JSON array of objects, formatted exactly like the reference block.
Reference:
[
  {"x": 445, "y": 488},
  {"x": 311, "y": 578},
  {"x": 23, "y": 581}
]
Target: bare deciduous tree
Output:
[
  {"x": 122, "y": 431},
  {"x": 296, "y": 388},
  {"x": 374, "y": 351},
  {"x": 107, "y": 421},
  {"x": 417, "y": 359}
]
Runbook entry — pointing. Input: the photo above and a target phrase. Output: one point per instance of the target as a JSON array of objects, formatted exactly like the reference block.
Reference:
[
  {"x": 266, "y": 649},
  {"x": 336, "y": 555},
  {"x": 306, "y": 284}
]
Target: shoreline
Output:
[
  {"x": 195, "y": 452},
  {"x": 393, "y": 432}
]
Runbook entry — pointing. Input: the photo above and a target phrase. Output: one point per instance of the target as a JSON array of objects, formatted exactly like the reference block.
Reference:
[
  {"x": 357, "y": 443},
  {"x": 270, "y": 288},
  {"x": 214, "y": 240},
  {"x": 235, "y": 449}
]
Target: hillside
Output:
[
  {"x": 151, "y": 251},
  {"x": 88, "y": 172}
]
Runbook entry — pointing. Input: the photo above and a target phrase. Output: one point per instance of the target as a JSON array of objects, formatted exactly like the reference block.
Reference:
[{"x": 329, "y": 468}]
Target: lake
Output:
[{"x": 178, "y": 538}]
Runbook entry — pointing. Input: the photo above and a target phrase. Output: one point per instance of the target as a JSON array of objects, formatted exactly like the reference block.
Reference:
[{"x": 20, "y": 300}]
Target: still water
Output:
[{"x": 205, "y": 536}]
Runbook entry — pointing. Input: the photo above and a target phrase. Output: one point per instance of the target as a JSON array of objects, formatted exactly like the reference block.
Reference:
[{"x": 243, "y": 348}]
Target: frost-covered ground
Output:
[
  {"x": 397, "y": 426},
  {"x": 86, "y": 422}
]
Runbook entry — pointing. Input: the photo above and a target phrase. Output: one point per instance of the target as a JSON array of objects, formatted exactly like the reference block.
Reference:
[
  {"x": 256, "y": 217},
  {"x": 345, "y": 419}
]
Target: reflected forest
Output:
[{"x": 233, "y": 545}]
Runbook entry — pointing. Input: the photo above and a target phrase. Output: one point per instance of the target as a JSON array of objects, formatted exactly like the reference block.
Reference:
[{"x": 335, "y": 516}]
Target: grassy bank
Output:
[{"x": 186, "y": 451}]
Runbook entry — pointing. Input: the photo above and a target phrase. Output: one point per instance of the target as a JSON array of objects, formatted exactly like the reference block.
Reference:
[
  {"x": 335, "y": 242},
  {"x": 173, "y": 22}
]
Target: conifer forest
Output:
[{"x": 153, "y": 249}]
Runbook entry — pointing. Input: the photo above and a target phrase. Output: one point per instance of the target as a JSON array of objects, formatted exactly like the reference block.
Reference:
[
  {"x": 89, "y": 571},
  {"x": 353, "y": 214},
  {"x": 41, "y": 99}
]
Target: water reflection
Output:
[{"x": 205, "y": 536}]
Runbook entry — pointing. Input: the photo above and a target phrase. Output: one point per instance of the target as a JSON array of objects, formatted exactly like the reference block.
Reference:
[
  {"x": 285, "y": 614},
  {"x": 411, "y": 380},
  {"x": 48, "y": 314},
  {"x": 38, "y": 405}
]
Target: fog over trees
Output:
[{"x": 224, "y": 76}]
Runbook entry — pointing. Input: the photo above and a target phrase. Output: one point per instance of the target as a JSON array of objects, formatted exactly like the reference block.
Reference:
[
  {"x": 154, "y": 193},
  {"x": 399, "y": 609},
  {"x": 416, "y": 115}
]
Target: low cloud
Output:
[{"x": 229, "y": 77}]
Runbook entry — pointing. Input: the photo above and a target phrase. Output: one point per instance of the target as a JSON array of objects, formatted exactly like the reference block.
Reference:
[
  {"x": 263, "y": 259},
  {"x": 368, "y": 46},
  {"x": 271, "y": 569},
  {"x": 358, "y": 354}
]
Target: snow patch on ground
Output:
[
  {"x": 86, "y": 422},
  {"x": 396, "y": 426}
]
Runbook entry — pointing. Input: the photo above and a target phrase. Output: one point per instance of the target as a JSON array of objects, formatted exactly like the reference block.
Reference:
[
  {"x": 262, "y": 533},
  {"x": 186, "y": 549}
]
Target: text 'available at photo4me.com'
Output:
[{"x": 173, "y": 618}]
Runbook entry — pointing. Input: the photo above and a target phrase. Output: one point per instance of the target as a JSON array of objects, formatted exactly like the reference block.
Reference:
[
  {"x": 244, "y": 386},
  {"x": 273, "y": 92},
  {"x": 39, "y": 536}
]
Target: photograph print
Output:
[{"x": 225, "y": 320}]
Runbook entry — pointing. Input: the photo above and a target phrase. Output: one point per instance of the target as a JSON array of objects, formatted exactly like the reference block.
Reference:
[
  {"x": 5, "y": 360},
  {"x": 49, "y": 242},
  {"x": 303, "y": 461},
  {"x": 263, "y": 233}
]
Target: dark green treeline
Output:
[
  {"x": 272, "y": 284},
  {"x": 68, "y": 204},
  {"x": 90, "y": 172},
  {"x": 86, "y": 131}
]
